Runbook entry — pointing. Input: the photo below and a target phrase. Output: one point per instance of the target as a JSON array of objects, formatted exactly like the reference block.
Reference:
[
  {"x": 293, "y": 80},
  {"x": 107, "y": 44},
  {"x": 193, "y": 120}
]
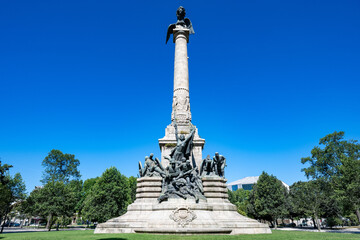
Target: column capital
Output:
[{"x": 181, "y": 32}]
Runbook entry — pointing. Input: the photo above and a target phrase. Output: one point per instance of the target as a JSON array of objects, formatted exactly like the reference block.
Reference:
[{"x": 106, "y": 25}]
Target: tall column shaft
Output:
[
  {"x": 181, "y": 66},
  {"x": 181, "y": 100}
]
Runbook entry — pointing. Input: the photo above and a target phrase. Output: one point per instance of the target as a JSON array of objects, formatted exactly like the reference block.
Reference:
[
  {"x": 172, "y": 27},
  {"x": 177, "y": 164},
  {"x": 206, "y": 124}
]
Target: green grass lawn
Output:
[{"x": 89, "y": 234}]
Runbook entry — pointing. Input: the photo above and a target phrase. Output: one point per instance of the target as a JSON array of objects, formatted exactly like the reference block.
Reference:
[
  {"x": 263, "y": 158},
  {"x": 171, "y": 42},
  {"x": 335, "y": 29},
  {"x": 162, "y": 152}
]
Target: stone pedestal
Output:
[
  {"x": 148, "y": 188},
  {"x": 168, "y": 143},
  {"x": 215, "y": 189},
  {"x": 216, "y": 215}
]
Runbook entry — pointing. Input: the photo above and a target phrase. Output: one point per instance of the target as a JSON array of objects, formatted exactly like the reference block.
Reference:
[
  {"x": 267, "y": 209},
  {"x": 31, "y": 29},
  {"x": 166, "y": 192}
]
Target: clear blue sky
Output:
[{"x": 95, "y": 78}]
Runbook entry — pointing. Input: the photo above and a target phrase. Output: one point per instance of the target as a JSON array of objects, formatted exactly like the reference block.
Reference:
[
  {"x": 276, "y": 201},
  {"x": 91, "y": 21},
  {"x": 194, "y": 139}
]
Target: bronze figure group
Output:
[
  {"x": 213, "y": 167},
  {"x": 181, "y": 178}
]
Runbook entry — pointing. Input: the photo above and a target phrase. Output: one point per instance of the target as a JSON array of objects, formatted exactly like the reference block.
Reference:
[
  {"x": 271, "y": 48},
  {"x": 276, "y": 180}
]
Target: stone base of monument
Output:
[{"x": 215, "y": 215}]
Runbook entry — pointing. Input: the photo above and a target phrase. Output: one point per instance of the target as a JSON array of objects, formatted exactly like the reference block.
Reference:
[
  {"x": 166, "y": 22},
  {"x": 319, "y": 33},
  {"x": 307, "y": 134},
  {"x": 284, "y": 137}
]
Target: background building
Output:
[{"x": 246, "y": 183}]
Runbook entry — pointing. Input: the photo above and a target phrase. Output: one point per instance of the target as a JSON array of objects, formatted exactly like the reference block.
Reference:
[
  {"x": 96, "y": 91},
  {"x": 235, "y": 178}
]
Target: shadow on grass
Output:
[{"x": 112, "y": 239}]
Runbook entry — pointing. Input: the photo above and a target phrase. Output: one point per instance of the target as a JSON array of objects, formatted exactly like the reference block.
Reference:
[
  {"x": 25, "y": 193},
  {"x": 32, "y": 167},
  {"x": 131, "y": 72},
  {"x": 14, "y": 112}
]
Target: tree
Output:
[
  {"x": 75, "y": 187},
  {"x": 5, "y": 196},
  {"x": 311, "y": 199},
  {"x": 240, "y": 198},
  {"x": 4, "y": 177},
  {"x": 12, "y": 190},
  {"x": 347, "y": 186},
  {"x": 55, "y": 199},
  {"x": 60, "y": 167},
  {"x": 61, "y": 193},
  {"x": 267, "y": 199},
  {"x": 337, "y": 162},
  {"x": 108, "y": 198},
  {"x": 88, "y": 184},
  {"x": 132, "y": 185},
  {"x": 85, "y": 190}
]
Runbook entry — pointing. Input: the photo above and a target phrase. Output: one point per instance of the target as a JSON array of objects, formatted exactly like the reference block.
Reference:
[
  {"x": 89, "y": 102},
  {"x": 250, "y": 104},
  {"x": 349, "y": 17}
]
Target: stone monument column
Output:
[{"x": 181, "y": 100}]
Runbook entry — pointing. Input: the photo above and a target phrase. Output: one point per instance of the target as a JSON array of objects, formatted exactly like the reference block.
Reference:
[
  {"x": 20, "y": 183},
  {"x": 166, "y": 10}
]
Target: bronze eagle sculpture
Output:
[{"x": 182, "y": 21}]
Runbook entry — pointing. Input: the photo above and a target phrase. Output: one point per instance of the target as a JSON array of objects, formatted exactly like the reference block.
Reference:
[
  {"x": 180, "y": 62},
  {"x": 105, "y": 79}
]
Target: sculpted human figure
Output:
[
  {"x": 175, "y": 103},
  {"x": 182, "y": 21},
  {"x": 183, "y": 145},
  {"x": 185, "y": 189},
  {"x": 152, "y": 167},
  {"x": 169, "y": 185},
  {"x": 186, "y": 171},
  {"x": 196, "y": 179},
  {"x": 184, "y": 166},
  {"x": 207, "y": 167},
  {"x": 181, "y": 180},
  {"x": 187, "y": 104},
  {"x": 219, "y": 164}
]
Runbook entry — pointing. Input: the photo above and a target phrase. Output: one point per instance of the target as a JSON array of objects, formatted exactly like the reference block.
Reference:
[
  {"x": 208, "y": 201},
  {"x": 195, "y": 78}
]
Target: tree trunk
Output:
[
  {"x": 275, "y": 223},
  {"x": 49, "y": 222},
  {"x": 318, "y": 223},
  {"x": 313, "y": 219},
  {"x": 3, "y": 225},
  {"x": 358, "y": 214}
]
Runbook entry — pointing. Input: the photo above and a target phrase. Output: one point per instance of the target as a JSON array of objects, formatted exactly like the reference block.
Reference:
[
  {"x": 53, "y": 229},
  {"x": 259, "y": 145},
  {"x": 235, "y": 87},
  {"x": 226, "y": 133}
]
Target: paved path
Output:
[
  {"x": 336, "y": 230},
  {"x": 339, "y": 230},
  {"x": 20, "y": 230}
]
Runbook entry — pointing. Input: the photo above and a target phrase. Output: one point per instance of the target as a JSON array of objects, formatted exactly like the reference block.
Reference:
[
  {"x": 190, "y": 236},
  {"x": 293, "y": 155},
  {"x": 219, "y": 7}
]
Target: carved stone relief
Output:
[{"x": 183, "y": 216}]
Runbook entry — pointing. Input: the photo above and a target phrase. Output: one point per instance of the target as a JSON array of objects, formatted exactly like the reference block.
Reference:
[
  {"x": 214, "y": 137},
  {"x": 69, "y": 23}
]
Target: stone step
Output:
[
  {"x": 215, "y": 189},
  {"x": 214, "y": 184},
  {"x": 148, "y": 195},
  {"x": 148, "y": 189},
  {"x": 148, "y": 184},
  {"x": 165, "y": 230},
  {"x": 215, "y": 195}
]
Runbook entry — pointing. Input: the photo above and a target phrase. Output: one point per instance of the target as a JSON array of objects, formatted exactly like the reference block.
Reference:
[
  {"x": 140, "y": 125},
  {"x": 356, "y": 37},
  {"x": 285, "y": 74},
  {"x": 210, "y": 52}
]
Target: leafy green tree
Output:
[
  {"x": 132, "y": 185},
  {"x": 18, "y": 188},
  {"x": 75, "y": 187},
  {"x": 108, "y": 198},
  {"x": 61, "y": 193},
  {"x": 311, "y": 200},
  {"x": 60, "y": 196},
  {"x": 240, "y": 198},
  {"x": 12, "y": 190},
  {"x": 297, "y": 200},
  {"x": 267, "y": 199},
  {"x": 5, "y": 191},
  {"x": 347, "y": 186},
  {"x": 337, "y": 162},
  {"x": 4, "y": 170},
  {"x": 88, "y": 184},
  {"x": 60, "y": 167},
  {"x": 54, "y": 200},
  {"x": 84, "y": 192}
]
